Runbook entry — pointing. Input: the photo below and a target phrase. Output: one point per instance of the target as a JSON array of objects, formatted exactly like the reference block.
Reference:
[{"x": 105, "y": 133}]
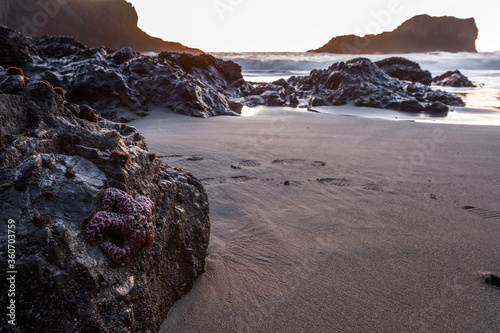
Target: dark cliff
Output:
[
  {"x": 95, "y": 23},
  {"x": 422, "y": 33}
]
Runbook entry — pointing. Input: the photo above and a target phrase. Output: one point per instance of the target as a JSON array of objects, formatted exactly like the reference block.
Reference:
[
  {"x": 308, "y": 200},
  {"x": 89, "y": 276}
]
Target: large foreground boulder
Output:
[{"x": 57, "y": 162}]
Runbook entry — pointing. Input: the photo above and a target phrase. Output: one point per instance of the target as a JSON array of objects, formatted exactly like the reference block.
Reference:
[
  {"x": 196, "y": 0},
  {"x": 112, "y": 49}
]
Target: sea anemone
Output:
[
  {"x": 152, "y": 157},
  {"x": 119, "y": 158},
  {"x": 60, "y": 91},
  {"x": 14, "y": 71},
  {"x": 70, "y": 173}
]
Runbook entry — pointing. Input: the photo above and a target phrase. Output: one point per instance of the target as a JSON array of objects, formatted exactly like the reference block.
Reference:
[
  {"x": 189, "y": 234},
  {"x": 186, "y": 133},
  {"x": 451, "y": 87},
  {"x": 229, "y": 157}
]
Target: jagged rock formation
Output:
[
  {"x": 121, "y": 84},
  {"x": 422, "y": 33},
  {"x": 56, "y": 161},
  {"x": 15, "y": 49},
  {"x": 111, "y": 23},
  {"x": 453, "y": 79},
  {"x": 358, "y": 81},
  {"x": 405, "y": 70}
]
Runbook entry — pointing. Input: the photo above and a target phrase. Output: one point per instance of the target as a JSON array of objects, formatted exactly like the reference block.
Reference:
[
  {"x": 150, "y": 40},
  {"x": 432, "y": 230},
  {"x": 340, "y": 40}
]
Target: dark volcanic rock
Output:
[
  {"x": 436, "y": 108},
  {"x": 422, "y": 33},
  {"x": 15, "y": 49},
  {"x": 54, "y": 169},
  {"x": 424, "y": 93},
  {"x": 443, "y": 97},
  {"x": 358, "y": 81},
  {"x": 57, "y": 46},
  {"x": 404, "y": 69},
  {"x": 269, "y": 94},
  {"x": 317, "y": 101},
  {"x": 12, "y": 84},
  {"x": 224, "y": 76},
  {"x": 453, "y": 79},
  {"x": 121, "y": 84},
  {"x": 123, "y": 55},
  {"x": 93, "y": 22},
  {"x": 274, "y": 98}
]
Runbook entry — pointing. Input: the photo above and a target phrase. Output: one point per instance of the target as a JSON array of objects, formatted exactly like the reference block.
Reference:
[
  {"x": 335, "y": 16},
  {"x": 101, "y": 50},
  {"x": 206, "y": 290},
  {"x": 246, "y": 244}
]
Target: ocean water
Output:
[{"x": 481, "y": 68}]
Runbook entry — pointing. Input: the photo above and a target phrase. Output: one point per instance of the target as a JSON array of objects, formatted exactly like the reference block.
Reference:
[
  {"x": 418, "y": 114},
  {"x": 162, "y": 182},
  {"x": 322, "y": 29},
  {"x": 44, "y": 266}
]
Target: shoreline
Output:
[
  {"x": 482, "y": 68},
  {"x": 458, "y": 116},
  {"x": 369, "y": 234}
]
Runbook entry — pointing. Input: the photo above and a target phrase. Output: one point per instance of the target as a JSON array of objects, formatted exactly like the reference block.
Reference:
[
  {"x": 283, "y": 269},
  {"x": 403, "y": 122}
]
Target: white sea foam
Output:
[{"x": 434, "y": 62}]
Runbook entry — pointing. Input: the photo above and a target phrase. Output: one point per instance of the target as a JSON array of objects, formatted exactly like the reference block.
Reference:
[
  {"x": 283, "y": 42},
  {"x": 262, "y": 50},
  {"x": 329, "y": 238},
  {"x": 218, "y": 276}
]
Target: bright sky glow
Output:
[{"x": 292, "y": 25}]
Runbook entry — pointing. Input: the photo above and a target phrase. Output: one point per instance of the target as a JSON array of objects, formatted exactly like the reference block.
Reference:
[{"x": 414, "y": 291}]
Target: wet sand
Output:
[{"x": 329, "y": 223}]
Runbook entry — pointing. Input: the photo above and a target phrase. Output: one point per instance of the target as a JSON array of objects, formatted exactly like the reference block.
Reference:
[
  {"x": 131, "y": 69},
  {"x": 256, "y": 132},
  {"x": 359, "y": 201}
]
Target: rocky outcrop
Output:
[
  {"x": 453, "y": 79},
  {"x": 422, "y": 33},
  {"x": 56, "y": 161},
  {"x": 122, "y": 84},
  {"x": 95, "y": 23},
  {"x": 405, "y": 70},
  {"x": 425, "y": 94},
  {"x": 269, "y": 94},
  {"x": 15, "y": 49},
  {"x": 358, "y": 81}
]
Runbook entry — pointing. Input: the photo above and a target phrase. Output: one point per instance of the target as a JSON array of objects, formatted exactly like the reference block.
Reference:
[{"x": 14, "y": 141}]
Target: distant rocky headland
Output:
[
  {"x": 422, "y": 33},
  {"x": 111, "y": 23}
]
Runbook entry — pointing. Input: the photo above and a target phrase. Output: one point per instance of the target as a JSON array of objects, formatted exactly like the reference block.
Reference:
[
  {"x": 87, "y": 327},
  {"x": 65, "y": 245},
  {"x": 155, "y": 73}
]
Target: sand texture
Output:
[{"x": 325, "y": 223}]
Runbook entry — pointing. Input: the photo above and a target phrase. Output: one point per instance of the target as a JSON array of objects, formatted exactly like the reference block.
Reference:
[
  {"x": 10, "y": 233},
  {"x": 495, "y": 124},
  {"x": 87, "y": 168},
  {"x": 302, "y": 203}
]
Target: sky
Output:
[{"x": 296, "y": 26}]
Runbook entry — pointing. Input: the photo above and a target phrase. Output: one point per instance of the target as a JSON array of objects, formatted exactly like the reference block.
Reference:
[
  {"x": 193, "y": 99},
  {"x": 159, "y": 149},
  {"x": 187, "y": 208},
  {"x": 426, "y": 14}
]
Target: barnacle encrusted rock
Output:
[{"x": 55, "y": 170}]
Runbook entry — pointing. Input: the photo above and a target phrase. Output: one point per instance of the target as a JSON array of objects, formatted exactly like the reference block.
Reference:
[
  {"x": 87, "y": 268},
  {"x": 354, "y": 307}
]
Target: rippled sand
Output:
[{"x": 328, "y": 223}]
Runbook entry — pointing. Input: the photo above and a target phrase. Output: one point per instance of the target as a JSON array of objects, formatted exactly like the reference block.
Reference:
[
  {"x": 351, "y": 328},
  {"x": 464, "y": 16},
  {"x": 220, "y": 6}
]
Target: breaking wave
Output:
[
  {"x": 436, "y": 62},
  {"x": 482, "y": 68}
]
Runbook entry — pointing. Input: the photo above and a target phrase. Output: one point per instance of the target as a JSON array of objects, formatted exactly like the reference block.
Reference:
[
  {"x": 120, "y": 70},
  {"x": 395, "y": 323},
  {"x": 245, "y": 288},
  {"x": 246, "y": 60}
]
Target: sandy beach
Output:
[{"x": 329, "y": 223}]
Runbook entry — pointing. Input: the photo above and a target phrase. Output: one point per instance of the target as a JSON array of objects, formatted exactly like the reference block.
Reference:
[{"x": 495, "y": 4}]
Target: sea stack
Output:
[{"x": 422, "y": 33}]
